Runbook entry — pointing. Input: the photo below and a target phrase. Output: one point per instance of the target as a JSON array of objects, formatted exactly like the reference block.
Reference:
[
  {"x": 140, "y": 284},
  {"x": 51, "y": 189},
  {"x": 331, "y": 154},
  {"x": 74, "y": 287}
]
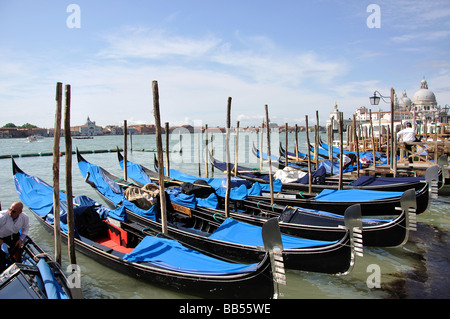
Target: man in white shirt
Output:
[
  {"x": 407, "y": 135},
  {"x": 347, "y": 160},
  {"x": 14, "y": 228}
]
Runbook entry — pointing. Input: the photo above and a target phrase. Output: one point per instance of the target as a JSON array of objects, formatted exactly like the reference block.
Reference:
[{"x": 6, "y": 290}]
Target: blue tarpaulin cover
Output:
[
  {"x": 240, "y": 188},
  {"x": 52, "y": 288},
  {"x": 38, "y": 196},
  {"x": 135, "y": 172},
  {"x": 111, "y": 190},
  {"x": 35, "y": 193},
  {"x": 277, "y": 184},
  {"x": 336, "y": 167},
  {"x": 378, "y": 180},
  {"x": 245, "y": 234},
  {"x": 354, "y": 195},
  {"x": 170, "y": 254}
]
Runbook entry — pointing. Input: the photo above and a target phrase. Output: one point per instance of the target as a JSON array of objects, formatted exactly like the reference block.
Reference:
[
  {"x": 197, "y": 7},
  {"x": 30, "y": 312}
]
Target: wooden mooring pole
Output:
[
  {"x": 162, "y": 192},
  {"x": 269, "y": 155},
  {"x": 125, "y": 150},
  {"x": 309, "y": 155},
  {"x": 227, "y": 150},
  {"x": 56, "y": 156},
  {"x": 166, "y": 129},
  {"x": 70, "y": 215}
]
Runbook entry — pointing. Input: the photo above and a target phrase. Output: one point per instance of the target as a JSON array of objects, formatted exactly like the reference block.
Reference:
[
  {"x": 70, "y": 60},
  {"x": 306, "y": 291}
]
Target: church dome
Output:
[{"x": 424, "y": 94}]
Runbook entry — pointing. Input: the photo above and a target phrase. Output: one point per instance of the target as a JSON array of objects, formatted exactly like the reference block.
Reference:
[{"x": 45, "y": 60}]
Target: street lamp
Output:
[{"x": 375, "y": 100}]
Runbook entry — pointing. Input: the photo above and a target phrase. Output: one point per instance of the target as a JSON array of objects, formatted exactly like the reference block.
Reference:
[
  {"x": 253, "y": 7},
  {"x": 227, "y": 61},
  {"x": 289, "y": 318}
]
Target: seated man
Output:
[
  {"x": 348, "y": 159},
  {"x": 14, "y": 228},
  {"x": 407, "y": 135}
]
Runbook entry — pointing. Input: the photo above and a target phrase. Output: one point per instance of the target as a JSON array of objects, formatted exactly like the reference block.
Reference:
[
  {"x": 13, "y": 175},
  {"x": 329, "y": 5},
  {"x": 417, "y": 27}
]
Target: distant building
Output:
[
  {"x": 142, "y": 128},
  {"x": 88, "y": 129},
  {"x": 424, "y": 102},
  {"x": 113, "y": 130},
  {"x": 334, "y": 120}
]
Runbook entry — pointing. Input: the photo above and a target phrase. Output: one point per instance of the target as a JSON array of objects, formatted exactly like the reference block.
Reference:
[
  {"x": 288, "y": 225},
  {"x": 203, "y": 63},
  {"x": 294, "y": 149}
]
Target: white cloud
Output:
[
  {"x": 146, "y": 43},
  {"x": 422, "y": 36},
  {"x": 259, "y": 61}
]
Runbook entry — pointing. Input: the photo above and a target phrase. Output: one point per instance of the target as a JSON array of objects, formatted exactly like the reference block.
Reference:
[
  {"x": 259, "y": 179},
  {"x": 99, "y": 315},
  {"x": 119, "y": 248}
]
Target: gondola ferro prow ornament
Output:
[
  {"x": 274, "y": 246},
  {"x": 409, "y": 205},
  {"x": 432, "y": 178},
  {"x": 353, "y": 222}
]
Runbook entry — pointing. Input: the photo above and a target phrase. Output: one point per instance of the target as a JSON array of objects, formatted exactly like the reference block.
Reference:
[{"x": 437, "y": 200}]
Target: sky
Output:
[{"x": 297, "y": 57}]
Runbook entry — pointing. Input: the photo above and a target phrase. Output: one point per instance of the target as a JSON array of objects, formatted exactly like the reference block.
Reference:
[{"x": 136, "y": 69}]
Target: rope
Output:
[
  {"x": 257, "y": 204},
  {"x": 214, "y": 216},
  {"x": 144, "y": 229}
]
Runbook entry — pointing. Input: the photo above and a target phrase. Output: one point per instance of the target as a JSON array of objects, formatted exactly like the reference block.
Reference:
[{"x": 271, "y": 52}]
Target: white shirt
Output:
[
  {"x": 407, "y": 134},
  {"x": 8, "y": 226},
  {"x": 346, "y": 159}
]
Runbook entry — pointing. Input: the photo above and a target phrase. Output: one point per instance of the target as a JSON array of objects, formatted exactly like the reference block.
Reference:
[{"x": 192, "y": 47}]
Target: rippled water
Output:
[{"x": 417, "y": 270}]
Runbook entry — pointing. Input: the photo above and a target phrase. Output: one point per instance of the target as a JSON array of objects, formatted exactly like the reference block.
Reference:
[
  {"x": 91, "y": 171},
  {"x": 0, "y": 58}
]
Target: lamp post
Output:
[{"x": 375, "y": 100}]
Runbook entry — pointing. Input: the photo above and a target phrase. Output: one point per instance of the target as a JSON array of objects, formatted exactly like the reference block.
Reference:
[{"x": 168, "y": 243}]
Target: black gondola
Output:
[
  {"x": 117, "y": 245},
  {"x": 34, "y": 275},
  {"x": 299, "y": 253},
  {"x": 392, "y": 184},
  {"x": 374, "y": 205},
  {"x": 295, "y": 221}
]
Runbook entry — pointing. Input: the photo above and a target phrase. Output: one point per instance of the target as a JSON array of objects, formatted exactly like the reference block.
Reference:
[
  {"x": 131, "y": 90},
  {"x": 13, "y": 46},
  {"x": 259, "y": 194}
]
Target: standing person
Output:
[
  {"x": 14, "y": 228},
  {"x": 408, "y": 135}
]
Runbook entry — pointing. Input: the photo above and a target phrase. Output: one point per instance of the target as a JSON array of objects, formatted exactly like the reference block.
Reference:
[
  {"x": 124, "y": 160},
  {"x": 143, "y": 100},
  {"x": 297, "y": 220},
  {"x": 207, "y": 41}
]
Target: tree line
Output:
[{"x": 12, "y": 125}]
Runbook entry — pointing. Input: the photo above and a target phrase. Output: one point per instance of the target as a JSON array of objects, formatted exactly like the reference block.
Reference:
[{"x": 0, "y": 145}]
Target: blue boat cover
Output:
[
  {"x": 170, "y": 254},
  {"x": 362, "y": 155},
  {"x": 277, "y": 184},
  {"x": 336, "y": 167},
  {"x": 35, "y": 193},
  {"x": 104, "y": 184},
  {"x": 265, "y": 156},
  {"x": 52, "y": 288},
  {"x": 38, "y": 196},
  {"x": 250, "y": 235},
  {"x": 135, "y": 172},
  {"x": 354, "y": 195},
  {"x": 240, "y": 188},
  {"x": 320, "y": 172},
  {"x": 379, "y": 181},
  {"x": 111, "y": 190}
]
